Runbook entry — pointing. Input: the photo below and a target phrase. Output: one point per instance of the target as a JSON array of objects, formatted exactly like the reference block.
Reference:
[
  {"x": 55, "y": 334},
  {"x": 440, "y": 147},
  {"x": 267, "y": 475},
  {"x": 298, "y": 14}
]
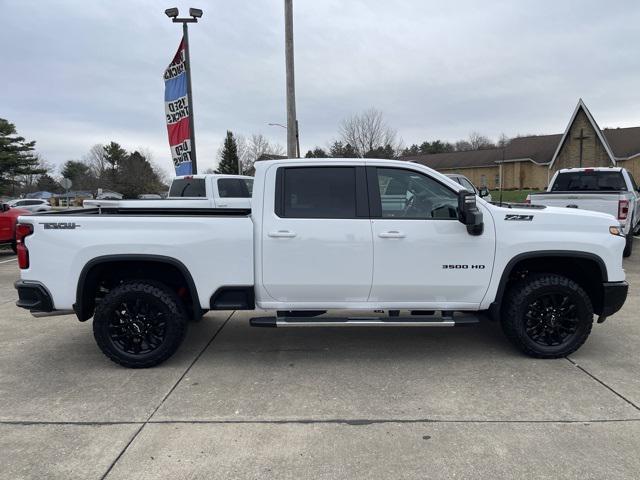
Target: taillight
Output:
[
  {"x": 23, "y": 230},
  {"x": 623, "y": 209}
]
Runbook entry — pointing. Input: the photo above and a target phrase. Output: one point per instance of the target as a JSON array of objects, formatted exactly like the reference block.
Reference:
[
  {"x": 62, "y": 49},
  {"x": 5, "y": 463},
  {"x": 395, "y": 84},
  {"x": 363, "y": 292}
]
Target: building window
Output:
[
  {"x": 483, "y": 180},
  {"x": 497, "y": 180}
]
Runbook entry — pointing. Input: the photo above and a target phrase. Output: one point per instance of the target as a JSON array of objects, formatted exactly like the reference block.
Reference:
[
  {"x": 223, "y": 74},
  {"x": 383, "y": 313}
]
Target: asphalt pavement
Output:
[{"x": 242, "y": 402}]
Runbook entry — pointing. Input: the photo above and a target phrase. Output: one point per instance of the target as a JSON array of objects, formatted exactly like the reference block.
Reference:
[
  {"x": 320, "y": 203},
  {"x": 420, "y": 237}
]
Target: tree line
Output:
[
  {"x": 109, "y": 167},
  {"x": 365, "y": 135}
]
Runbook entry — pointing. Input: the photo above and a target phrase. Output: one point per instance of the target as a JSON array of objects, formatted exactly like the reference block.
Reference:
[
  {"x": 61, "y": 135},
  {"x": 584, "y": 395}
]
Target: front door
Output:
[
  {"x": 423, "y": 254},
  {"x": 316, "y": 238}
]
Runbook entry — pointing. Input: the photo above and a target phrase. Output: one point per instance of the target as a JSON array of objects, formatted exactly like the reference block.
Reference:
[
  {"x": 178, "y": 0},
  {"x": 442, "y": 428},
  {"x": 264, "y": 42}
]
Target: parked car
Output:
[
  {"x": 195, "y": 191},
  {"x": 31, "y": 204},
  {"x": 321, "y": 235},
  {"x": 482, "y": 192},
  {"x": 604, "y": 189},
  {"x": 8, "y": 219}
]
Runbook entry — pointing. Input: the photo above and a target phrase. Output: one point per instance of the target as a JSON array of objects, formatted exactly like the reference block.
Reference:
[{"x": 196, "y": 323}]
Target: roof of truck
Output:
[{"x": 592, "y": 169}]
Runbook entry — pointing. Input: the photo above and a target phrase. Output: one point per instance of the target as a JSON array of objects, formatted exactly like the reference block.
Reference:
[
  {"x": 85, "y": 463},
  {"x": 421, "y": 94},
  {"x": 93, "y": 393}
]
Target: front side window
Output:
[
  {"x": 234, "y": 187},
  {"x": 409, "y": 194},
  {"x": 319, "y": 192}
]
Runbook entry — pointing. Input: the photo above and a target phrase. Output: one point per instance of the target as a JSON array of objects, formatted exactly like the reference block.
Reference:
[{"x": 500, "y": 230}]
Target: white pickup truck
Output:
[
  {"x": 606, "y": 190},
  {"x": 366, "y": 236},
  {"x": 194, "y": 191}
]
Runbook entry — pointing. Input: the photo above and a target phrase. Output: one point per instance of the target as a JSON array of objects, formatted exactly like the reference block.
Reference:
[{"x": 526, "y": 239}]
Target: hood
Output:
[{"x": 561, "y": 214}]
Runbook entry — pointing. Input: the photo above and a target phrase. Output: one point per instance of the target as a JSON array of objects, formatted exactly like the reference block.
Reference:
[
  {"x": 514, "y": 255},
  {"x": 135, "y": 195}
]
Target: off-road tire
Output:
[
  {"x": 628, "y": 247},
  {"x": 151, "y": 293},
  {"x": 518, "y": 300}
]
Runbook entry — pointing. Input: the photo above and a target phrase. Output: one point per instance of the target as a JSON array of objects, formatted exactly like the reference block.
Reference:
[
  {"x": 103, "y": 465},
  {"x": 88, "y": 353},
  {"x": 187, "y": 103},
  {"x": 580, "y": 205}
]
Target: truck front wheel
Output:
[
  {"x": 547, "y": 315},
  {"x": 139, "y": 324}
]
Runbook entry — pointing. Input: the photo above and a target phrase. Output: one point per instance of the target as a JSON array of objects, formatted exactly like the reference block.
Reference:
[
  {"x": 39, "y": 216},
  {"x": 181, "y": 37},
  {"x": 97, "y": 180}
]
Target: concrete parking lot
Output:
[{"x": 240, "y": 402}]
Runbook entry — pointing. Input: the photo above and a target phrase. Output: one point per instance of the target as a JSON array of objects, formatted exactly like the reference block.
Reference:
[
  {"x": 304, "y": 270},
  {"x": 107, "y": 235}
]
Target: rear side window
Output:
[
  {"x": 188, "y": 187},
  {"x": 319, "y": 192},
  {"x": 595, "y": 181},
  {"x": 235, "y": 187}
]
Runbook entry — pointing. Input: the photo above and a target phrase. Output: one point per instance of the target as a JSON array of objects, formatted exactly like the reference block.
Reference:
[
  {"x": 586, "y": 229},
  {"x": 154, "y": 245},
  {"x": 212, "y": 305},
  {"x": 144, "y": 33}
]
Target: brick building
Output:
[{"x": 529, "y": 162}]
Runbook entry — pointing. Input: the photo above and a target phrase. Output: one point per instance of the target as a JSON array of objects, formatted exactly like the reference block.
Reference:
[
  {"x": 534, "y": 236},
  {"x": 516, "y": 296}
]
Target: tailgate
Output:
[{"x": 596, "y": 202}]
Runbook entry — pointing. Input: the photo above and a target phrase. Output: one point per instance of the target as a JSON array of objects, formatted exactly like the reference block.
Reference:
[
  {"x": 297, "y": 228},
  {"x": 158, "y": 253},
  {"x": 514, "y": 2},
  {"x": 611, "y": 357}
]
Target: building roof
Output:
[
  {"x": 620, "y": 143},
  {"x": 625, "y": 142},
  {"x": 536, "y": 148}
]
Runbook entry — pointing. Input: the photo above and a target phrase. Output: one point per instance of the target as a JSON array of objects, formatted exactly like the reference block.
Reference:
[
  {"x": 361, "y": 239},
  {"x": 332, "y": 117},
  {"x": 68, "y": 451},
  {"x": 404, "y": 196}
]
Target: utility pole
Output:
[
  {"x": 195, "y": 13},
  {"x": 292, "y": 123}
]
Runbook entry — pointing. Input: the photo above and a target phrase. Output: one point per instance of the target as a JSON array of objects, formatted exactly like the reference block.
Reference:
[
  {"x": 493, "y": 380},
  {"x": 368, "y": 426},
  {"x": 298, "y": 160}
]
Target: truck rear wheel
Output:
[
  {"x": 628, "y": 247},
  {"x": 547, "y": 316},
  {"x": 139, "y": 324}
]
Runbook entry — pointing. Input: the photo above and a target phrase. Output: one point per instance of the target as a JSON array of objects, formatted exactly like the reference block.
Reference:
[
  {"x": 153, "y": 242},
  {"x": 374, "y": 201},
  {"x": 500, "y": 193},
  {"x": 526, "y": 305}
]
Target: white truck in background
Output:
[
  {"x": 193, "y": 191},
  {"x": 603, "y": 189}
]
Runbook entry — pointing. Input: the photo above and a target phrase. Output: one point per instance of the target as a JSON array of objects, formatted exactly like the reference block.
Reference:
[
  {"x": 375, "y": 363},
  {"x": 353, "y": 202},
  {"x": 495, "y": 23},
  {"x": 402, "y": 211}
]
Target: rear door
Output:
[
  {"x": 316, "y": 236},
  {"x": 422, "y": 254}
]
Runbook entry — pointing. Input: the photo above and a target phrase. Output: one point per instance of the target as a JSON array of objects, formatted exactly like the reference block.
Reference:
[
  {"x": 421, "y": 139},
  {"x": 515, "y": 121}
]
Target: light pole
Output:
[
  {"x": 297, "y": 135},
  {"x": 292, "y": 130},
  {"x": 195, "y": 14}
]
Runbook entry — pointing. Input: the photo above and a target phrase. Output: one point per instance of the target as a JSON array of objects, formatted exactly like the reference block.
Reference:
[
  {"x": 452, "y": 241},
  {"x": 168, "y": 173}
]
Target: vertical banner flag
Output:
[{"x": 176, "y": 108}]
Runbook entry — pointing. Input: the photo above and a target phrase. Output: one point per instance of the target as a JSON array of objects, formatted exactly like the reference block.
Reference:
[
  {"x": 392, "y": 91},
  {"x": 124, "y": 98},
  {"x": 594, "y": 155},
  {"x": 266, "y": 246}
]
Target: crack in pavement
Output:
[
  {"x": 135, "y": 435},
  {"x": 311, "y": 421},
  {"x": 611, "y": 389}
]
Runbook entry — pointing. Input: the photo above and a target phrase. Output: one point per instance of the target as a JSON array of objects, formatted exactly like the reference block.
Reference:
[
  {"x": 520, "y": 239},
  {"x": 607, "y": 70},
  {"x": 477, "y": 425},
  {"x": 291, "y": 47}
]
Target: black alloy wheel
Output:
[
  {"x": 551, "y": 319},
  {"x": 139, "y": 324}
]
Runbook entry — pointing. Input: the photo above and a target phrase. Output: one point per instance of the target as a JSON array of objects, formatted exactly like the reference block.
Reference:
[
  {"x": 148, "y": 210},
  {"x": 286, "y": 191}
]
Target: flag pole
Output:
[{"x": 185, "y": 36}]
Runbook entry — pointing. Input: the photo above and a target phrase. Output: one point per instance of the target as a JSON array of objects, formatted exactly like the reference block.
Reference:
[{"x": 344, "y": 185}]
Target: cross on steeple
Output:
[{"x": 582, "y": 138}]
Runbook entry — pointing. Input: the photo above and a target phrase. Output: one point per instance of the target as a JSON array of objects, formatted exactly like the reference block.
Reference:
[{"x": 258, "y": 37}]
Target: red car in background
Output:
[{"x": 8, "y": 219}]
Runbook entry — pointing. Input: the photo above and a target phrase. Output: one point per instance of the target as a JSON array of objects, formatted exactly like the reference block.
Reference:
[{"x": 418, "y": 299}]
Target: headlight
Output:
[{"x": 616, "y": 231}]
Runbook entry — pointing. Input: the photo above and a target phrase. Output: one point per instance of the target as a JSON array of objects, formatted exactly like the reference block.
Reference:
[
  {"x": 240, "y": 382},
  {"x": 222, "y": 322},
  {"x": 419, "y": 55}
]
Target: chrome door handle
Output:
[
  {"x": 392, "y": 234},
  {"x": 282, "y": 234},
  {"x": 222, "y": 205}
]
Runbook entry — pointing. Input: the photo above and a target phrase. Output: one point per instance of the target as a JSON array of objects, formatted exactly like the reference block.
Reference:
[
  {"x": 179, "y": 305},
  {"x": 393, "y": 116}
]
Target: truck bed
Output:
[{"x": 214, "y": 245}]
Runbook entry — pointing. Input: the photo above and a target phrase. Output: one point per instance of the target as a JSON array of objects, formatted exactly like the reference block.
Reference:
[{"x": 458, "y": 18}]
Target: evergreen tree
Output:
[
  {"x": 316, "y": 153},
  {"x": 16, "y": 156},
  {"x": 229, "y": 155},
  {"x": 339, "y": 150},
  {"x": 114, "y": 155}
]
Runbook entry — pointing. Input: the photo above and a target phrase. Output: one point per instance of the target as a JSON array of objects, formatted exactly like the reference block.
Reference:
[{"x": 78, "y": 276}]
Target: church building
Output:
[{"x": 530, "y": 162}]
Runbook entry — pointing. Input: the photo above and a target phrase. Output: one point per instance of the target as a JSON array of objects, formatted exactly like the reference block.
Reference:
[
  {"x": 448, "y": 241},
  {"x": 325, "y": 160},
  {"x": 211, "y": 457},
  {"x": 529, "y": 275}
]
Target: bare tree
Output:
[
  {"x": 367, "y": 131},
  {"x": 479, "y": 142},
  {"x": 95, "y": 158},
  {"x": 503, "y": 141}
]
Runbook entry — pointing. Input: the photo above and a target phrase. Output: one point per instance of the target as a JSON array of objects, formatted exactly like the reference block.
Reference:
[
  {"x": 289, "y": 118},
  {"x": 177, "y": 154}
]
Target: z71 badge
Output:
[
  {"x": 518, "y": 218},
  {"x": 60, "y": 225}
]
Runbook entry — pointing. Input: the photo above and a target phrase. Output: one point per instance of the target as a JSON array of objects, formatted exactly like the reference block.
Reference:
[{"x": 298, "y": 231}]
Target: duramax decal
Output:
[
  {"x": 60, "y": 225},
  {"x": 518, "y": 218},
  {"x": 463, "y": 267}
]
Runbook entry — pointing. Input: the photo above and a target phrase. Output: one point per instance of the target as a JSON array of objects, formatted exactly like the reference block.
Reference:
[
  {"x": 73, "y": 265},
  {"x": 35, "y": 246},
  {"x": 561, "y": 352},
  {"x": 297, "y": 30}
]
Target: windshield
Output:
[
  {"x": 188, "y": 187},
  {"x": 594, "y": 181}
]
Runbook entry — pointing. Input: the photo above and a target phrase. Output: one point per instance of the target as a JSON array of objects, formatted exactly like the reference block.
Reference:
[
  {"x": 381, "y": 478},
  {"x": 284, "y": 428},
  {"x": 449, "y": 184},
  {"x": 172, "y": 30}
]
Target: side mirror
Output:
[
  {"x": 469, "y": 213},
  {"x": 5, "y": 207},
  {"x": 483, "y": 192}
]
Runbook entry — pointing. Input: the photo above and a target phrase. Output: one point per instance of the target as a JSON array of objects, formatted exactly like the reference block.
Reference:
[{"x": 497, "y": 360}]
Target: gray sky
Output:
[{"x": 78, "y": 73}]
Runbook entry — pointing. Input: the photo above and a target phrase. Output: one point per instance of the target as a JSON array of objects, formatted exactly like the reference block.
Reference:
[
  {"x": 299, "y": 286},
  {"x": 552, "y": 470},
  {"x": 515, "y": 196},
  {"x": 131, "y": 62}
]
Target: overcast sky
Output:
[{"x": 77, "y": 72}]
